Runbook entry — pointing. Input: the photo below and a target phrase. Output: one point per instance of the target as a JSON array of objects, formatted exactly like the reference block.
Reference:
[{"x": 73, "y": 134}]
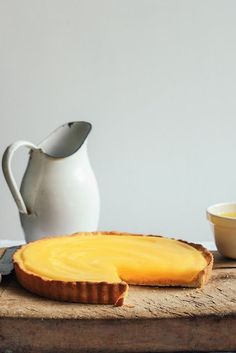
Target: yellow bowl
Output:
[{"x": 222, "y": 217}]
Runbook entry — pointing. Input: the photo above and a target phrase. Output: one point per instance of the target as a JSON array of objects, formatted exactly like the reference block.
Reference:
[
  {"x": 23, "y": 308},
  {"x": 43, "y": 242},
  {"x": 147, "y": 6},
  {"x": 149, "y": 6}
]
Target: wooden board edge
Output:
[{"x": 136, "y": 335}]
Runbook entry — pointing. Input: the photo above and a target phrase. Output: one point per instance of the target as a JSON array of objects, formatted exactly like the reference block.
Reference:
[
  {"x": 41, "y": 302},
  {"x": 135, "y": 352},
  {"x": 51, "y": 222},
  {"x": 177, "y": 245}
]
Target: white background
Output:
[{"x": 157, "y": 79}]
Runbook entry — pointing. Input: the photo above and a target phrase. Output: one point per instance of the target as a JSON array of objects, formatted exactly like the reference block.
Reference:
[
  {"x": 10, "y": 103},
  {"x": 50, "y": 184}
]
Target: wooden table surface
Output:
[{"x": 152, "y": 320}]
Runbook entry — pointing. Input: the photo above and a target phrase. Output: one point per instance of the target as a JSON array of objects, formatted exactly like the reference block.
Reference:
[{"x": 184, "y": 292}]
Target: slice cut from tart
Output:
[{"x": 97, "y": 267}]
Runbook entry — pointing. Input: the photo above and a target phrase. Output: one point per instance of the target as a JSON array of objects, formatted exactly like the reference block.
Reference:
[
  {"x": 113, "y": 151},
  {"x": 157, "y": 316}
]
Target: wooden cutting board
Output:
[{"x": 152, "y": 320}]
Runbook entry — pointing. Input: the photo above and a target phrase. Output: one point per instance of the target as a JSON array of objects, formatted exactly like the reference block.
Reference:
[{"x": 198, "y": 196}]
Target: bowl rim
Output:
[{"x": 210, "y": 212}]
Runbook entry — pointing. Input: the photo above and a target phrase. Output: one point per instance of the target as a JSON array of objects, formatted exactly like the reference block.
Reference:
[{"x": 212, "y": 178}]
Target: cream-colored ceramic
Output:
[
  {"x": 224, "y": 228},
  {"x": 59, "y": 193}
]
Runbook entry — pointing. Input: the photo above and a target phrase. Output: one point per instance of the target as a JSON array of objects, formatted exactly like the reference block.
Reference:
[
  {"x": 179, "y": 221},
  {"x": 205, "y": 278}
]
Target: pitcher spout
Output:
[{"x": 66, "y": 140}]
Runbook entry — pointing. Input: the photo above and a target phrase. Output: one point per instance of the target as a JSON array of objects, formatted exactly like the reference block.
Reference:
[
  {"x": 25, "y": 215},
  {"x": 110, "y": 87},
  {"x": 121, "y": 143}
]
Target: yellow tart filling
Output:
[{"x": 111, "y": 258}]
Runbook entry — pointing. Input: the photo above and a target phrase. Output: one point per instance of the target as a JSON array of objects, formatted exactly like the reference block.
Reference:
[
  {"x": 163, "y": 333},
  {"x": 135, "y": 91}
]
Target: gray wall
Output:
[{"x": 158, "y": 81}]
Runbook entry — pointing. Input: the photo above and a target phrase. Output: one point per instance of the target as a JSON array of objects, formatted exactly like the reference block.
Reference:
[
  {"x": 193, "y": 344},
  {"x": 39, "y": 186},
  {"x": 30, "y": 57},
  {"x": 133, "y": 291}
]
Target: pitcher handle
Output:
[{"x": 7, "y": 171}]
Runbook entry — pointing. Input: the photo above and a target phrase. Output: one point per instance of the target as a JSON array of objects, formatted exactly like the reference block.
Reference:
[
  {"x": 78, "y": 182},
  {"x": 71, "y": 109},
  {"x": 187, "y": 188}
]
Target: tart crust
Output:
[{"x": 101, "y": 292}]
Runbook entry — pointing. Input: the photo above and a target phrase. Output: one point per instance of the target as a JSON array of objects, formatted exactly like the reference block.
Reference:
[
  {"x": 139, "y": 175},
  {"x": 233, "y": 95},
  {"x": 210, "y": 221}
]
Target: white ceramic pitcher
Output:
[{"x": 59, "y": 193}]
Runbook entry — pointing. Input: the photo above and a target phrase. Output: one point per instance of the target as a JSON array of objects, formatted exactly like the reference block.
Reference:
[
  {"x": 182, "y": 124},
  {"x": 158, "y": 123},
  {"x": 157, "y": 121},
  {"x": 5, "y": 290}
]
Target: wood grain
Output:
[
  {"x": 153, "y": 320},
  {"x": 223, "y": 262}
]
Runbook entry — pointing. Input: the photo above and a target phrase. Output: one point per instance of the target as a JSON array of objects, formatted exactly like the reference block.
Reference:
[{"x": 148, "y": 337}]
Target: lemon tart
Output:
[{"x": 97, "y": 267}]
